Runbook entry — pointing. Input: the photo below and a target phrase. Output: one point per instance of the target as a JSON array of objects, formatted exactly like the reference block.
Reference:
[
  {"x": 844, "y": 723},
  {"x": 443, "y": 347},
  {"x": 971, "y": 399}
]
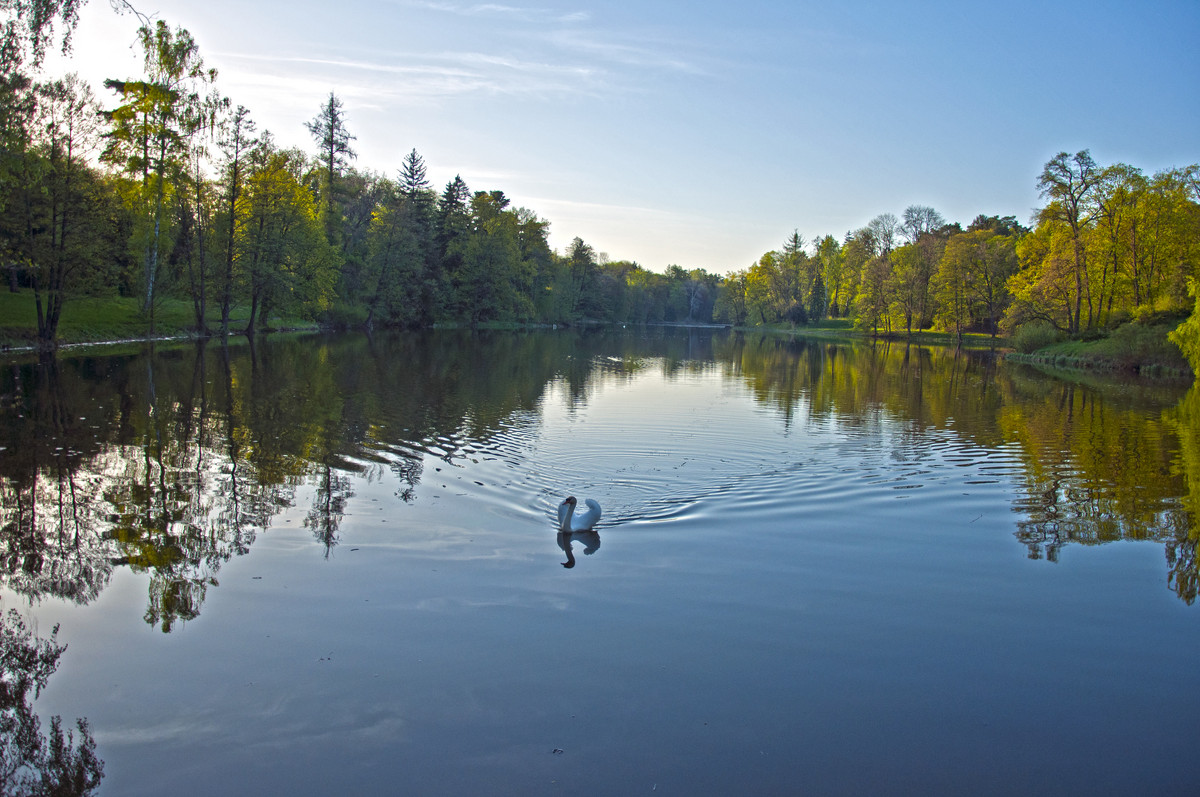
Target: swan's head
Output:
[{"x": 569, "y": 501}]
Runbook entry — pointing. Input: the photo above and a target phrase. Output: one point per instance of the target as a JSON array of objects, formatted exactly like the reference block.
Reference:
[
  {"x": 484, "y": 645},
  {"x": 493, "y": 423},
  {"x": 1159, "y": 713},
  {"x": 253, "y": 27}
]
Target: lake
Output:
[{"x": 330, "y": 564}]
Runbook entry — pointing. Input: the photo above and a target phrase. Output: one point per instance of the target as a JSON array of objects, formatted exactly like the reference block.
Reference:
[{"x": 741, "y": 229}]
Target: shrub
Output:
[
  {"x": 1187, "y": 335},
  {"x": 1035, "y": 335}
]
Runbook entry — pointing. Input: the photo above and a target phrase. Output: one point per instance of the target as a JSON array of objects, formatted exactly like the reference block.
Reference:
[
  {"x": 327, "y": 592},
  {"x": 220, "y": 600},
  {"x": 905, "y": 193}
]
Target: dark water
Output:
[{"x": 329, "y": 565}]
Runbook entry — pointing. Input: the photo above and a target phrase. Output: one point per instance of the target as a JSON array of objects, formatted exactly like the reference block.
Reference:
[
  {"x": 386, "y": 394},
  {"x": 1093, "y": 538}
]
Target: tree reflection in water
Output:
[
  {"x": 171, "y": 460},
  {"x": 1097, "y": 461},
  {"x": 33, "y": 763}
]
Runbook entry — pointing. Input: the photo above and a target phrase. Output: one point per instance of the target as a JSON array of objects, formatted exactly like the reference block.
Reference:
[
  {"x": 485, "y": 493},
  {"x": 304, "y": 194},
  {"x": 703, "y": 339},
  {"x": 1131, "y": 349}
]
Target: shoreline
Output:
[{"x": 1079, "y": 361}]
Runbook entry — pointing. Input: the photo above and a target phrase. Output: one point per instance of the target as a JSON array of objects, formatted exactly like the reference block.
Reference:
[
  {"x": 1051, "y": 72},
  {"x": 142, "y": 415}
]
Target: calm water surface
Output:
[{"x": 329, "y": 565}]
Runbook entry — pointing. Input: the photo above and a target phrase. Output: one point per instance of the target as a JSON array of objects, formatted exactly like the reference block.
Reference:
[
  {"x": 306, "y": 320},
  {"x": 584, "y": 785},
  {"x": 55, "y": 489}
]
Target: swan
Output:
[{"x": 569, "y": 521}]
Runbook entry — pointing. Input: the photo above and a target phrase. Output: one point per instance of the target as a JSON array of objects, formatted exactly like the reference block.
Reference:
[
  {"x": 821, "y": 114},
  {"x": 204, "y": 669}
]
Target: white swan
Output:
[{"x": 569, "y": 521}]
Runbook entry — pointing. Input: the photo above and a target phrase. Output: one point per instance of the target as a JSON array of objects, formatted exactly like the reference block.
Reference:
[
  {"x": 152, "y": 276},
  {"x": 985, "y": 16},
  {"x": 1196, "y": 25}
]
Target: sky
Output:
[{"x": 702, "y": 134}]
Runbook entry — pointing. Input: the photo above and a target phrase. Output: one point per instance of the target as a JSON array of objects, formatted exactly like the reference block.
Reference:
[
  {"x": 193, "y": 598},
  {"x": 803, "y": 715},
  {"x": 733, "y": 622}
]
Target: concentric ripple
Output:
[{"x": 657, "y": 449}]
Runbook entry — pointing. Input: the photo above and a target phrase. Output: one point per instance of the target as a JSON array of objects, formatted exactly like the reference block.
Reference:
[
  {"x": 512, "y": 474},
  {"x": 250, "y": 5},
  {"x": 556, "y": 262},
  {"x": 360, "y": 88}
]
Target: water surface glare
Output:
[{"x": 324, "y": 565}]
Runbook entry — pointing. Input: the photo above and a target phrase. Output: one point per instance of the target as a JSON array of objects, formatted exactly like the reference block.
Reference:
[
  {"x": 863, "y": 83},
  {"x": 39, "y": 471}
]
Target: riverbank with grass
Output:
[
  {"x": 844, "y": 329},
  {"x": 1140, "y": 348},
  {"x": 113, "y": 319}
]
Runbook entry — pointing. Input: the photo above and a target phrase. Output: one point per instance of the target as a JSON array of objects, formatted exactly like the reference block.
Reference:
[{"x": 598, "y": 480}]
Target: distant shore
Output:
[{"x": 1143, "y": 350}]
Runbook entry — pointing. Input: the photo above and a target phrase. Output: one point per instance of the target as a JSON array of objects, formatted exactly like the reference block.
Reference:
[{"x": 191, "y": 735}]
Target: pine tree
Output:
[{"x": 328, "y": 129}]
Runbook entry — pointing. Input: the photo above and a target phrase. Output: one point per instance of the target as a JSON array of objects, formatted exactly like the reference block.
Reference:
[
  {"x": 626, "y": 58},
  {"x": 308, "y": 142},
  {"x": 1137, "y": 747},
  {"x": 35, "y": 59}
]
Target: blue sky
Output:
[{"x": 702, "y": 133}]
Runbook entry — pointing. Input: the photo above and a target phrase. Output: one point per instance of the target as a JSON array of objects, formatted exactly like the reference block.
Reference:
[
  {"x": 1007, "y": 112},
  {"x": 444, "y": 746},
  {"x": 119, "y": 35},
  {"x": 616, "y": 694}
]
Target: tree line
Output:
[
  {"x": 170, "y": 191},
  {"x": 1110, "y": 245}
]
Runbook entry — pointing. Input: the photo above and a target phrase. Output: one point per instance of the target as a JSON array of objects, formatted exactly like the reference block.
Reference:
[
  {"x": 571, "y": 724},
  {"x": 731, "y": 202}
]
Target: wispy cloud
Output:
[
  {"x": 432, "y": 76},
  {"x": 524, "y": 13},
  {"x": 653, "y": 55},
  {"x": 571, "y": 33}
]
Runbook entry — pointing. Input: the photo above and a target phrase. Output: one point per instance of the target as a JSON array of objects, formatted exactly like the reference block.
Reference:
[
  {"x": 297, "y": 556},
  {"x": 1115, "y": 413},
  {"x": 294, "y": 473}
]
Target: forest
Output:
[{"x": 163, "y": 188}]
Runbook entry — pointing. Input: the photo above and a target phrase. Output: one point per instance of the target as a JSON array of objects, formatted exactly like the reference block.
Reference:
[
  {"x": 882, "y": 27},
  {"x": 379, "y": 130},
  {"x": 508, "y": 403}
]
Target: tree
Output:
[
  {"x": 55, "y": 220},
  {"x": 911, "y": 282},
  {"x": 1068, "y": 182},
  {"x": 581, "y": 270},
  {"x": 884, "y": 228},
  {"x": 414, "y": 183},
  {"x": 1002, "y": 225},
  {"x": 1154, "y": 233},
  {"x": 289, "y": 264},
  {"x": 731, "y": 302},
  {"x": 537, "y": 260},
  {"x": 361, "y": 194},
  {"x": 920, "y": 220},
  {"x": 833, "y": 273},
  {"x": 421, "y": 220},
  {"x": 398, "y": 248},
  {"x": 974, "y": 275},
  {"x": 452, "y": 223},
  {"x": 152, "y": 128},
  {"x": 816, "y": 300},
  {"x": 492, "y": 283},
  {"x": 768, "y": 289},
  {"x": 1187, "y": 335},
  {"x": 1119, "y": 190},
  {"x": 866, "y": 256},
  {"x": 1041, "y": 289},
  {"x": 804, "y": 271},
  {"x": 875, "y": 295},
  {"x": 27, "y": 29},
  {"x": 1110, "y": 245},
  {"x": 328, "y": 129},
  {"x": 236, "y": 140}
]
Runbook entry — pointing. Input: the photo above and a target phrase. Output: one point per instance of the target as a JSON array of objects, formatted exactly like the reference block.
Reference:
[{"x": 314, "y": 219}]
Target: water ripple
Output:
[{"x": 712, "y": 451}]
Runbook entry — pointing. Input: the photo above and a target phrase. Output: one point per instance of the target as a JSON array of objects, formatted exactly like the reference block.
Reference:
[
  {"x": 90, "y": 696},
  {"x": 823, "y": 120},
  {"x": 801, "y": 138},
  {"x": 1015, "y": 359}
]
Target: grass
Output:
[
  {"x": 106, "y": 319},
  {"x": 844, "y": 329},
  {"x": 1131, "y": 348},
  {"x": 1141, "y": 348}
]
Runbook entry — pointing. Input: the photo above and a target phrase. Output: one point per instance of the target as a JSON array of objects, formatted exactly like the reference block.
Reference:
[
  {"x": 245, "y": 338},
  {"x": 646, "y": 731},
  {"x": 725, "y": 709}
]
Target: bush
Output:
[
  {"x": 1134, "y": 344},
  {"x": 1187, "y": 335},
  {"x": 1035, "y": 335}
]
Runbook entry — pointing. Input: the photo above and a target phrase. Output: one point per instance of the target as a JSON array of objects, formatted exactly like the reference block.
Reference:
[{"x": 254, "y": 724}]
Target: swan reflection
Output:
[{"x": 590, "y": 540}]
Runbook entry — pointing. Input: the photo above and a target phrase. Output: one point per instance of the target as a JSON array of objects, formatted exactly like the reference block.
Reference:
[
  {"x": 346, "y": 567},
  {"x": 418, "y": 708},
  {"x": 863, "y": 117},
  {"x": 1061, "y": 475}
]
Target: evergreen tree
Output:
[{"x": 328, "y": 129}]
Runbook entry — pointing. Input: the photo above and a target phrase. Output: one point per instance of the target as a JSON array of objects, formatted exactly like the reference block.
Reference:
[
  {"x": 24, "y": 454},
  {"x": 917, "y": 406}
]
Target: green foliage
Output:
[
  {"x": 1035, "y": 335},
  {"x": 27, "y": 29},
  {"x": 151, "y": 138},
  {"x": 1187, "y": 335},
  {"x": 1110, "y": 244},
  {"x": 1133, "y": 347},
  {"x": 328, "y": 129},
  {"x": 279, "y": 232},
  {"x": 112, "y": 318}
]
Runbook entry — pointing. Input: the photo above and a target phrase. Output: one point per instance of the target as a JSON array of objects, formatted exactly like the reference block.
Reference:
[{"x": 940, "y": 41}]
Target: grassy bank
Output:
[
  {"x": 1133, "y": 348},
  {"x": 102, "y": 320},
  {"x": 844, "y": 329}
]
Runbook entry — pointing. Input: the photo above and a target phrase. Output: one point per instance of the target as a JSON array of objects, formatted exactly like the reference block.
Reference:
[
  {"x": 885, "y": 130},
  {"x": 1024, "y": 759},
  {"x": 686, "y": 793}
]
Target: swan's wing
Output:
[{"x": 593, "y": 513}]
